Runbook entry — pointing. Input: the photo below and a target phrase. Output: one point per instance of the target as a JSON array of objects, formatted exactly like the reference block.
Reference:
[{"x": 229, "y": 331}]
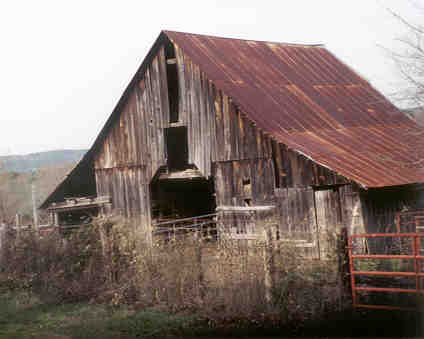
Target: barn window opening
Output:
[
  {"x": 176, "y": 148},
  {"x": 172, "y": 80},
  {"x": 248, "y": 202}
]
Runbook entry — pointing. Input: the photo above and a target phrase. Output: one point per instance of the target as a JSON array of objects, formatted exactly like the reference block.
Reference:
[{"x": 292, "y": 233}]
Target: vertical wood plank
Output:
[
  {"x": 321, "y": 221},
  {"x": 208, "y": 134},
  {"x": 234, "y": 132},
  {"x": 182, "y": 104},
  {"x": 240, "y": 135},
  {"x": 313, "y": 227},
  {"x": 220, "y": 138},
  {"x": 227, "y": 128},
  {"x": 212, "y": 123}
]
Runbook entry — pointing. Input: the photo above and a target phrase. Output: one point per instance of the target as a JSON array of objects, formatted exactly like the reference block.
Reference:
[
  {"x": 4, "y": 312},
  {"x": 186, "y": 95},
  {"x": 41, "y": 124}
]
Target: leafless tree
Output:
[{"x": 409, "y": 58}]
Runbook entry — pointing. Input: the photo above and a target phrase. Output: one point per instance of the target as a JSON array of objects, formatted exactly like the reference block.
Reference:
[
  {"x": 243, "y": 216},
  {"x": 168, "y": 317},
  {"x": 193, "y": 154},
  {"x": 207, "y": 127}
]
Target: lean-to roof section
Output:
[
  {"x": 87, "y": 160},
  {"x": 306, "y": 98}
]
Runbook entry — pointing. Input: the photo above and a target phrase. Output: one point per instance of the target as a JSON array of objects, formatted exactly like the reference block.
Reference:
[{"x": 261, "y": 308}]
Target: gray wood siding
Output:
[
  {"x": 296, "y": 170},
  {"x": 352, "y": 209},
  {"x": 134, "y": 149},
  {"x": 238, "y": 180},
  {"x": 197, "y": 112},
  {"x": 222, "y": 142},
  {"x": 138, "y": 138}
]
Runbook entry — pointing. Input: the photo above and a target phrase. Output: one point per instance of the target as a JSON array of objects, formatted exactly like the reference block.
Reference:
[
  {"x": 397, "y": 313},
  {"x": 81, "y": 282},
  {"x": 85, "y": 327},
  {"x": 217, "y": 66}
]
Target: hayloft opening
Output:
[
  {"x": 181, "y": 198},
  {"x": 172, "y": 80},
  {"x": 176, "y": 148}
]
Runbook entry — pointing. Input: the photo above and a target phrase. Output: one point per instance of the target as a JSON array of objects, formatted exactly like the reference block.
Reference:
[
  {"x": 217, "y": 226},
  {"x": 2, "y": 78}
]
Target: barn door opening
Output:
[
  {"x": 175, "y": 198},
  {"x": 329, "y": 219}
]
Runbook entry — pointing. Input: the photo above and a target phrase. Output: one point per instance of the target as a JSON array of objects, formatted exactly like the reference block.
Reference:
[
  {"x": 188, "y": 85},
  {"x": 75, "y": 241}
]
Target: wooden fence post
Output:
[
  {"x": 200, "y": 267},
  {"x": 269, "y": 265},
  {"x": 343, "y": 263}
]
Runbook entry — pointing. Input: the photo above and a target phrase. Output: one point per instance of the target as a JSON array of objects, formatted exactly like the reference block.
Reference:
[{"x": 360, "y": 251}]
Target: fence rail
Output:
[
  {"x": 27, "y": 227},
  {"x": 176, "y": 221},
  {"x": 198, "y": 223}
]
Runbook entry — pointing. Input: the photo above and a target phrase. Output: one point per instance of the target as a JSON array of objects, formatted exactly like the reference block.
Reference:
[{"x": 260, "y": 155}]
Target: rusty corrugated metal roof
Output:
[{"x": 306, "y": 98}]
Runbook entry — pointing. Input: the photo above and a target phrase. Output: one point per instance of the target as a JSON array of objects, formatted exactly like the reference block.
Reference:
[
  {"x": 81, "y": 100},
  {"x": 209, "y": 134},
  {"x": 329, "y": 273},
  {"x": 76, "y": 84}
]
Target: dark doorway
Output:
[
  {"x": 176, "y": 148},
  {"x": 174, "y": 199}
]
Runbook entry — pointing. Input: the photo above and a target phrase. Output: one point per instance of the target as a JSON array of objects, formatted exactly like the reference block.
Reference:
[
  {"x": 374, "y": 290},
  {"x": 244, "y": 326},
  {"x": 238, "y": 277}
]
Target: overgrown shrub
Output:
[
  {"x": 110, "y": 262},
  {"x": 82, "y": 264}
]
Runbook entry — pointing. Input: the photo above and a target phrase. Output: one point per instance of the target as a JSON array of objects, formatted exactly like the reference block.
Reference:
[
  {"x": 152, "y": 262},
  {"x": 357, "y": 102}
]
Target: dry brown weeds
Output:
[{"x": 109, "y": 262}]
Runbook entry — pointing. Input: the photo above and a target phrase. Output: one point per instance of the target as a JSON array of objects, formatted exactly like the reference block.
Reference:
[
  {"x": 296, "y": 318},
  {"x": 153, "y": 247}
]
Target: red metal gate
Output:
[{"x": 409, "y": 248}]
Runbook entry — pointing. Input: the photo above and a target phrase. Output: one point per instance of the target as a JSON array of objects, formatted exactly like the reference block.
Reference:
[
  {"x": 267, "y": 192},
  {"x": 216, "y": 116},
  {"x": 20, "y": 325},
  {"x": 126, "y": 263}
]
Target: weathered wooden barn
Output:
[{"x": 208, "y": 122}]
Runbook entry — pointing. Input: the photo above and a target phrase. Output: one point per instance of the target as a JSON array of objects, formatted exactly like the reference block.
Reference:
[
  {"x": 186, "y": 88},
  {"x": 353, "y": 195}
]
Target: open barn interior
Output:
[{"x": 182, "y": 198}]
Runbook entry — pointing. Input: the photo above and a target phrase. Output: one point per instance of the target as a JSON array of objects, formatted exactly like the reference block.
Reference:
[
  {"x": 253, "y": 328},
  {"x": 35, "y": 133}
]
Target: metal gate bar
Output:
[
  {"x": 197, "y": 223},
  {"x": 416, "y": 257}
]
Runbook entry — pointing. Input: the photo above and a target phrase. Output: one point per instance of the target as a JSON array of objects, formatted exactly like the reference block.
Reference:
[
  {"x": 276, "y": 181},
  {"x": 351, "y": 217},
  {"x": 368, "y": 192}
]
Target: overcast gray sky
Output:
[{"x": 64, "y": 64}]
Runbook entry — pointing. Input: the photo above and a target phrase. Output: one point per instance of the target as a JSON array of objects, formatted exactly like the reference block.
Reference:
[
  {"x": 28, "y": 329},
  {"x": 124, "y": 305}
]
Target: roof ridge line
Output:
[{"x": 294, "y": 44}]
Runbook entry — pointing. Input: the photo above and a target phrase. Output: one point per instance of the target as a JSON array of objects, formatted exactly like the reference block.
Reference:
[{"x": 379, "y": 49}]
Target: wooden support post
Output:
[{"x": 343, "y": 264}]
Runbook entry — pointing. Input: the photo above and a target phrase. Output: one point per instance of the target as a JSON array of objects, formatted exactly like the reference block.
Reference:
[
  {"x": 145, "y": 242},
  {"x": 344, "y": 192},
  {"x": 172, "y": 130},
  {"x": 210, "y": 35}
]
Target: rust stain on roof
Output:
[{"x": 303, "y": 96}]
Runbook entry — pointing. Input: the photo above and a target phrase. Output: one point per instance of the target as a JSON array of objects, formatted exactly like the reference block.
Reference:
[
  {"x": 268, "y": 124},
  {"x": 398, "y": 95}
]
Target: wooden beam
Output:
[
  {"x": 180, "y": 175},
  {"x": 245, "y": 236},
  {"x": 79, "y": 203}
]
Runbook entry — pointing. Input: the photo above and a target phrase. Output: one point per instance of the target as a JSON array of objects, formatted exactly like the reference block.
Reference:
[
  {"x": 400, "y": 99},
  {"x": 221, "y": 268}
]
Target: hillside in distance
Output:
[
  {"x": 16, "y": 180},
  {"x": 28, "y": 162},
  {"x": 15, "y": 190}
]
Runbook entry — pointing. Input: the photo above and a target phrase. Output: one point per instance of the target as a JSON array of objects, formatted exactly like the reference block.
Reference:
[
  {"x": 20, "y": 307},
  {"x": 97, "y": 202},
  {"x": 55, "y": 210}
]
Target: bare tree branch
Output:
[
  {"x": 411, "y": 26},
  {"x": 409, "y": 59}
]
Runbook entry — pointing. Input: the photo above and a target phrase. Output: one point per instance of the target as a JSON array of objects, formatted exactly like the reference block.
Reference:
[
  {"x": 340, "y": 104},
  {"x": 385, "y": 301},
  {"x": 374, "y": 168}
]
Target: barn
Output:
[{"x": 216, "y": 124}]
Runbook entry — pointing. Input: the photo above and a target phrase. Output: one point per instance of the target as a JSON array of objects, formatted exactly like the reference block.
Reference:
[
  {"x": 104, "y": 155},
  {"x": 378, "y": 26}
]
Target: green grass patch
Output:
[{"x": 24, "y": 316}]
